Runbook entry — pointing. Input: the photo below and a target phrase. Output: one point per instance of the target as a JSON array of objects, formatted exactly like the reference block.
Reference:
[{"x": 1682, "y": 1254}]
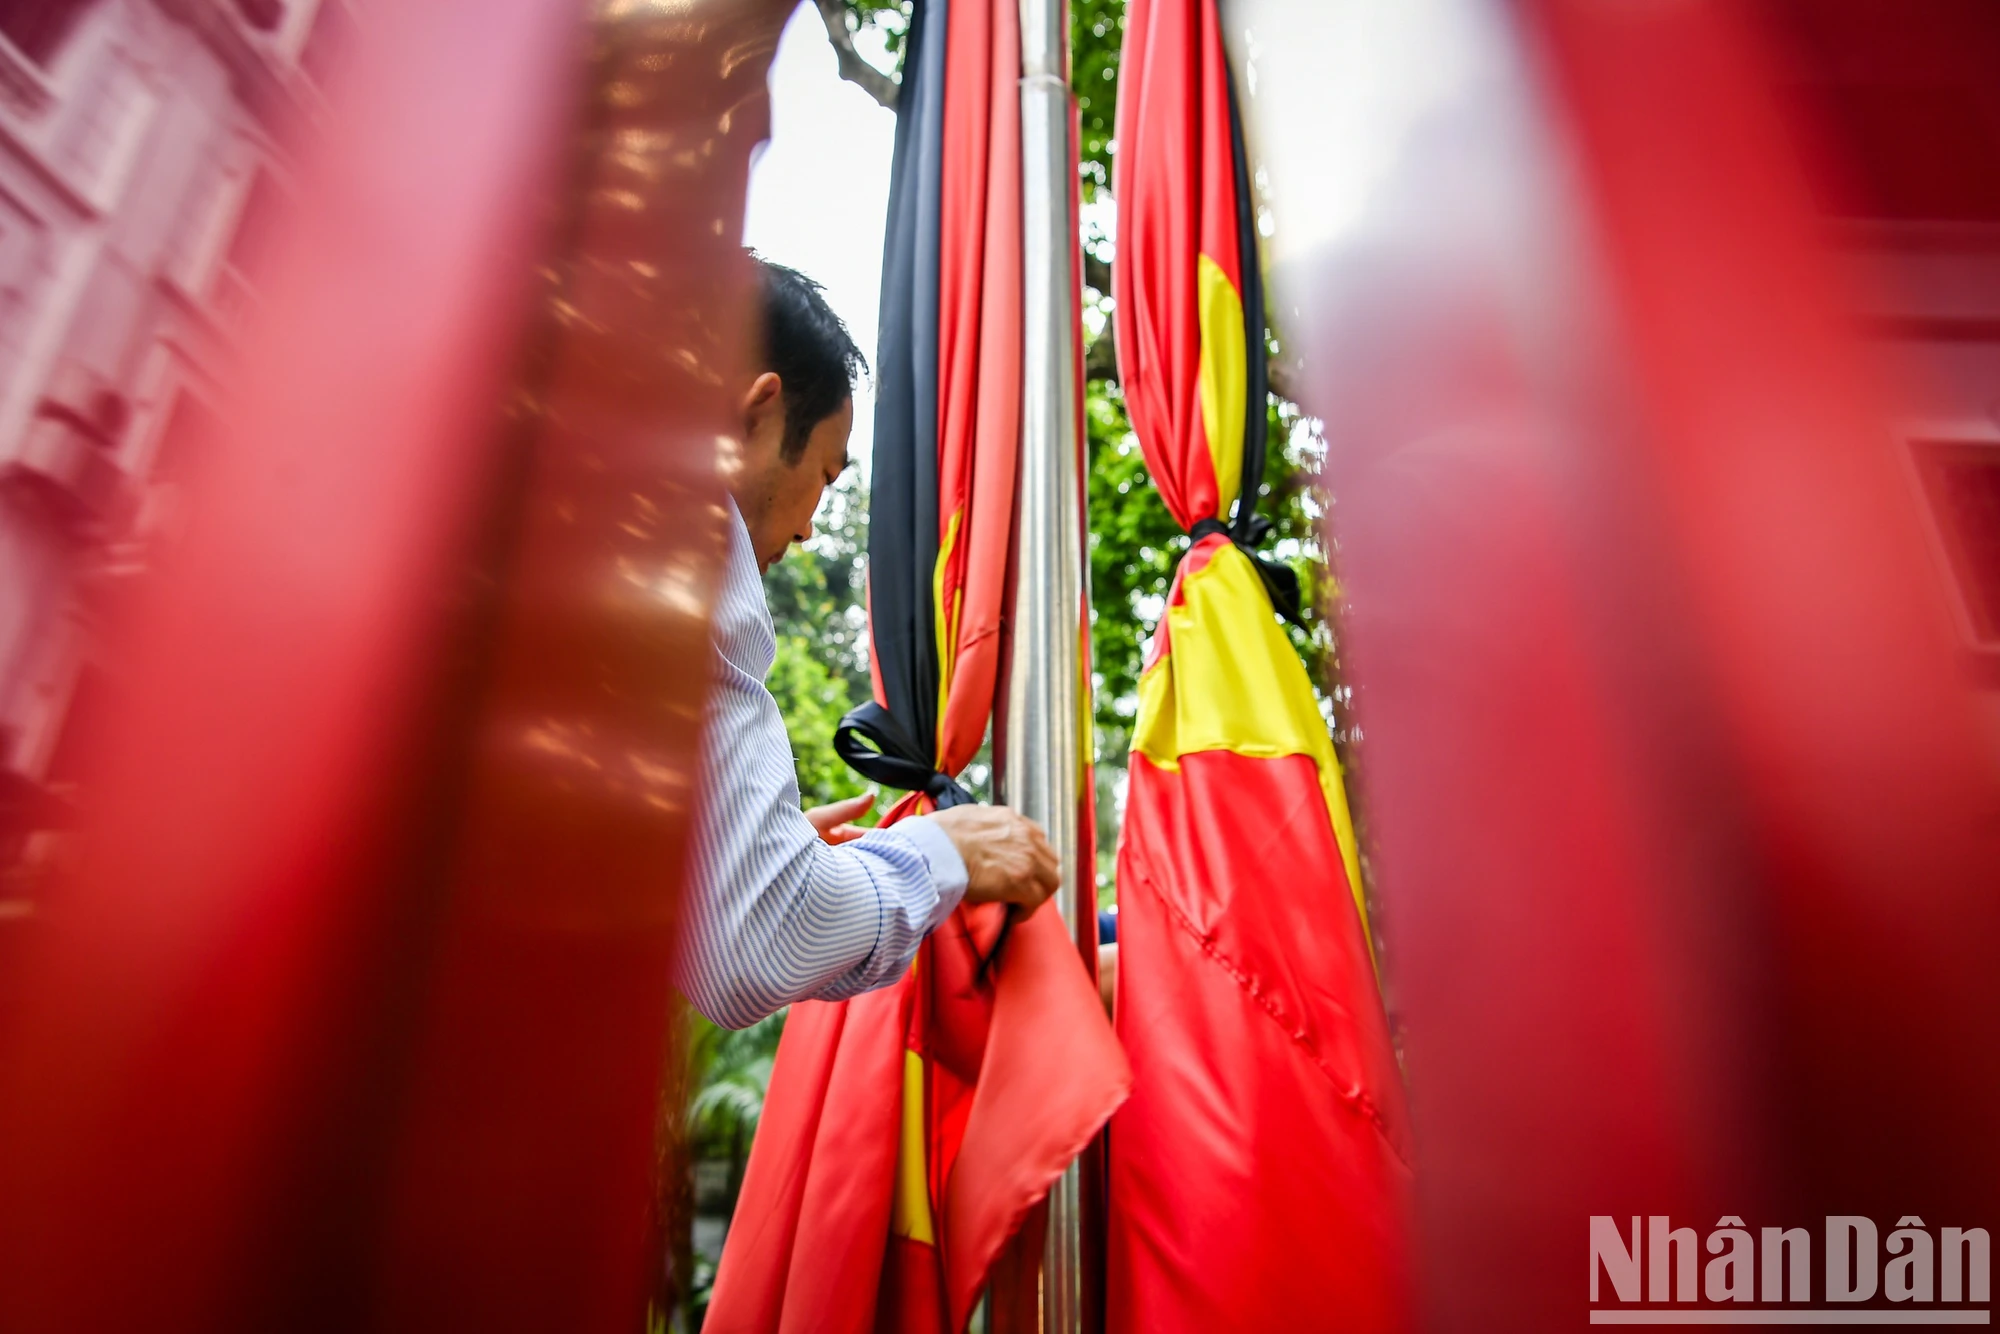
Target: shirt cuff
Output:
[{"x": 947, "y": 867}]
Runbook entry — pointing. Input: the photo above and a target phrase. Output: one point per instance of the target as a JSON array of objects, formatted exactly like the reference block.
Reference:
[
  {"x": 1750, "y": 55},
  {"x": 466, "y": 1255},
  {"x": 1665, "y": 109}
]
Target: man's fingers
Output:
[
  {"x": 832, "y": 820},
  {"x": 1047, "y": 865},
  {"x": 851, "y": 809},
  {"x": 1044, "y": 878},
  {"x": 1008, "y": 857}
]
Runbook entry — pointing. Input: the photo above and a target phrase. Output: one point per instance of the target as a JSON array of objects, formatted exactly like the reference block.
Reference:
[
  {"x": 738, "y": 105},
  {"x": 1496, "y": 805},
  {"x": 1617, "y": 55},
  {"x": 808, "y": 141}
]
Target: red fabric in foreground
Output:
[
  {"x": 1259, "y": 1172},
  {"x": 806, "y": 1249},
  {"x": 1029, "y": 1073}
]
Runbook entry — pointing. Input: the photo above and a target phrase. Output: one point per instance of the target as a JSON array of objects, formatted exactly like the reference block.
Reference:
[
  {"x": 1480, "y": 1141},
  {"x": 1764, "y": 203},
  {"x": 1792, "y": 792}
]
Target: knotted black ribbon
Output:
[
  {"x": 882, "y": 750},
  {"x": 1281, "y": 581}
]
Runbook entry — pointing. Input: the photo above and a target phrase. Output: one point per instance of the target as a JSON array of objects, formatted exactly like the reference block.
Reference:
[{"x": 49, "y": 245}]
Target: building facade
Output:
[{"x": 140, "y": 161}]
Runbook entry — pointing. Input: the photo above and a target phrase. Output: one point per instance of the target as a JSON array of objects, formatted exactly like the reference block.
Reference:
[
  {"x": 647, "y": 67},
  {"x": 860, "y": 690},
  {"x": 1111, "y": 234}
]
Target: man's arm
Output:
[
  {"x": 776, "y": 914},
  {"x": 779, "y": 915}
]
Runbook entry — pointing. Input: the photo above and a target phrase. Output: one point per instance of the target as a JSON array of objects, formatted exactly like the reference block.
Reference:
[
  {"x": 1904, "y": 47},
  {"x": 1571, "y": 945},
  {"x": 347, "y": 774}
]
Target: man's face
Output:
[{"x": 777, "y": 498}]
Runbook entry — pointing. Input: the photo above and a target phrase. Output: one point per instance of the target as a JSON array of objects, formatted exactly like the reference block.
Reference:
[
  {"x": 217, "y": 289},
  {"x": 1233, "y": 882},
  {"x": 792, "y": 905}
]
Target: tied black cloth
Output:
[
  {"x": 1281, "y": 581},
  {"x": 882, "y": 750}
]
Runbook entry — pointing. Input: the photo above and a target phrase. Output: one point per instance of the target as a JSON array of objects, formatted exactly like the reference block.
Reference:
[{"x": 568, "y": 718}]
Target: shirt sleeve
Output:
[{"x": 777, "y": 915}]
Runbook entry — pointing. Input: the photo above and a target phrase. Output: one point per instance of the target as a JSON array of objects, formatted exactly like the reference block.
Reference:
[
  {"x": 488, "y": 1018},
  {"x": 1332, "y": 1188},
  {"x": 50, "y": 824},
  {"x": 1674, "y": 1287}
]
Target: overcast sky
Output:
[{"x": 819, "y": 191}]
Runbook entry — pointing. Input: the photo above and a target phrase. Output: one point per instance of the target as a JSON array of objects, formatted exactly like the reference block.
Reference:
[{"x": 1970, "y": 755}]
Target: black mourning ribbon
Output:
[
  {"x": 882, "y": 750},
  {"x": 1281, "y": 581}
]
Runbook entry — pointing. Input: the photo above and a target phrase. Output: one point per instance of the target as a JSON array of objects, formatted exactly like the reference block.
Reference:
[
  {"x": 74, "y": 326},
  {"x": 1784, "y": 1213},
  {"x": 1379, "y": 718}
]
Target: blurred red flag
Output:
[
  {"x": 352, "y": 1015},
  {"x": 1259, "y": 1172},
  {"x": 1629, "y": 335}
]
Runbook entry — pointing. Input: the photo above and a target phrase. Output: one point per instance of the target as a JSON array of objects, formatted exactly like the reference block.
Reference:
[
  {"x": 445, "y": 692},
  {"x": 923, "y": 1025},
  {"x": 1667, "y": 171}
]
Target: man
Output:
[{"x": 788, "y": 904}]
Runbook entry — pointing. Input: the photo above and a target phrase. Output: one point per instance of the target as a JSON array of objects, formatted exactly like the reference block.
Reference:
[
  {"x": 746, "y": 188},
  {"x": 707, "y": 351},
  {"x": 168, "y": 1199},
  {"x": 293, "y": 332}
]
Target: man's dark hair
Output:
[{"x": 810, "y": 350}]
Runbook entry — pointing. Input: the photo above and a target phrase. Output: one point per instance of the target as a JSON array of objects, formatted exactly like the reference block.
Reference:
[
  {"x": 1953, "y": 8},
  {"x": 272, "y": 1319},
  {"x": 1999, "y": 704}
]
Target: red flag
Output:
[
  {"x": 908, "y": 1132},
  {"x": 1258, "y": 1173},
  {"x": 350, "y": 1015}
]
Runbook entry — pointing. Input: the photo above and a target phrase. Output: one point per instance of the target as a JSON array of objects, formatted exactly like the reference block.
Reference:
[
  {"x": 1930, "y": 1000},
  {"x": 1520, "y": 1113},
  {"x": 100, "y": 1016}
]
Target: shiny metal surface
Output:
[{"x": 1043, "y": 755}]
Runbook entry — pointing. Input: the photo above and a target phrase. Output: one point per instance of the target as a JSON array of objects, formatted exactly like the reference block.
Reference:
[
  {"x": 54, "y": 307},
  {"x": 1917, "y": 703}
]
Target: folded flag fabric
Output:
[{"x": 1259, "y": 1173}]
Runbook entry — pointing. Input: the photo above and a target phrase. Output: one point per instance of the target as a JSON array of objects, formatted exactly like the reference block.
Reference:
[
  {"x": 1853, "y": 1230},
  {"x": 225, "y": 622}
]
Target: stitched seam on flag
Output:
[
  {"x": 1333, "y": 798},
  {"x": 1221, "y": 566},
  {"x": 1358, "y": 1100}
]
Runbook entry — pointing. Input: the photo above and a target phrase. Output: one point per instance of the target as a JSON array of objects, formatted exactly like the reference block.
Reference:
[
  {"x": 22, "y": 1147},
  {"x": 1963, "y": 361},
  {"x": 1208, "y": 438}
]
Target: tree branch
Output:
[
  {"x": 1096, "y": 274},
  {"x": 1100, "y": 360},
  {"x": 882, "y": 87},
  {"x": 1278, "y": 375}
]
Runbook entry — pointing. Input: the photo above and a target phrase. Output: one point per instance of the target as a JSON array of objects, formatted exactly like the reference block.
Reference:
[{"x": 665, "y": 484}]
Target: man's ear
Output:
[{"x": 764, "y": 405}]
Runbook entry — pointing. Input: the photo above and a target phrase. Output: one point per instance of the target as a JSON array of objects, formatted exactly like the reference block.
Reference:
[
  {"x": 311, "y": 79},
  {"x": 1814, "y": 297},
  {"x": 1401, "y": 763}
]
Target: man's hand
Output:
[
  {"x": 1007, "y": 856},
  {"x": 835, "y": 822}
]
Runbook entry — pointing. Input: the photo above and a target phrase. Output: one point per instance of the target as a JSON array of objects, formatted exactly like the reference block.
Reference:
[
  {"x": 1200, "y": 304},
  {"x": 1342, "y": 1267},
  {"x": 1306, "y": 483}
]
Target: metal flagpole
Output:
[{"x": 1044, "y": 726}]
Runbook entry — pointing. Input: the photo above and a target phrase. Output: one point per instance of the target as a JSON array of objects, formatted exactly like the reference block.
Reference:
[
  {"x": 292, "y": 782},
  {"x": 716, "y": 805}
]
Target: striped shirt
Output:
[{"x": 775, "y": 914}]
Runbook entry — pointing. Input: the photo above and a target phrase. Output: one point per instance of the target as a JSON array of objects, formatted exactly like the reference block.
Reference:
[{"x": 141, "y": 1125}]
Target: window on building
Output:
[
  {"x": 39, "y": 27},
  {"x": 82, "y": 727},
  {"x": 191, "y": 423},
  {"x": 236, "y": 281},
  {"x": 332, "y": 33},
  {"x": 1908, "y": 152},
  {"x": 1964, "y": 484},
  {"x": 263, "y": 210},
  {"x": 1893, "y": 106},
  {"x": 263, "y": 15}
]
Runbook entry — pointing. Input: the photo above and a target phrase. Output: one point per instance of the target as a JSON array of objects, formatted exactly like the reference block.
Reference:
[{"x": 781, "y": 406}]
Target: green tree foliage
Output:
[
  {"x": 889, "y": 17},
  {"x": 729, "y": 1074},
  {"x": 732, "y": 1073},
  {"x": 1097, "y": 29},
  {"x": 816, "y": 597},
  {"x": 812, "y": 699}
]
